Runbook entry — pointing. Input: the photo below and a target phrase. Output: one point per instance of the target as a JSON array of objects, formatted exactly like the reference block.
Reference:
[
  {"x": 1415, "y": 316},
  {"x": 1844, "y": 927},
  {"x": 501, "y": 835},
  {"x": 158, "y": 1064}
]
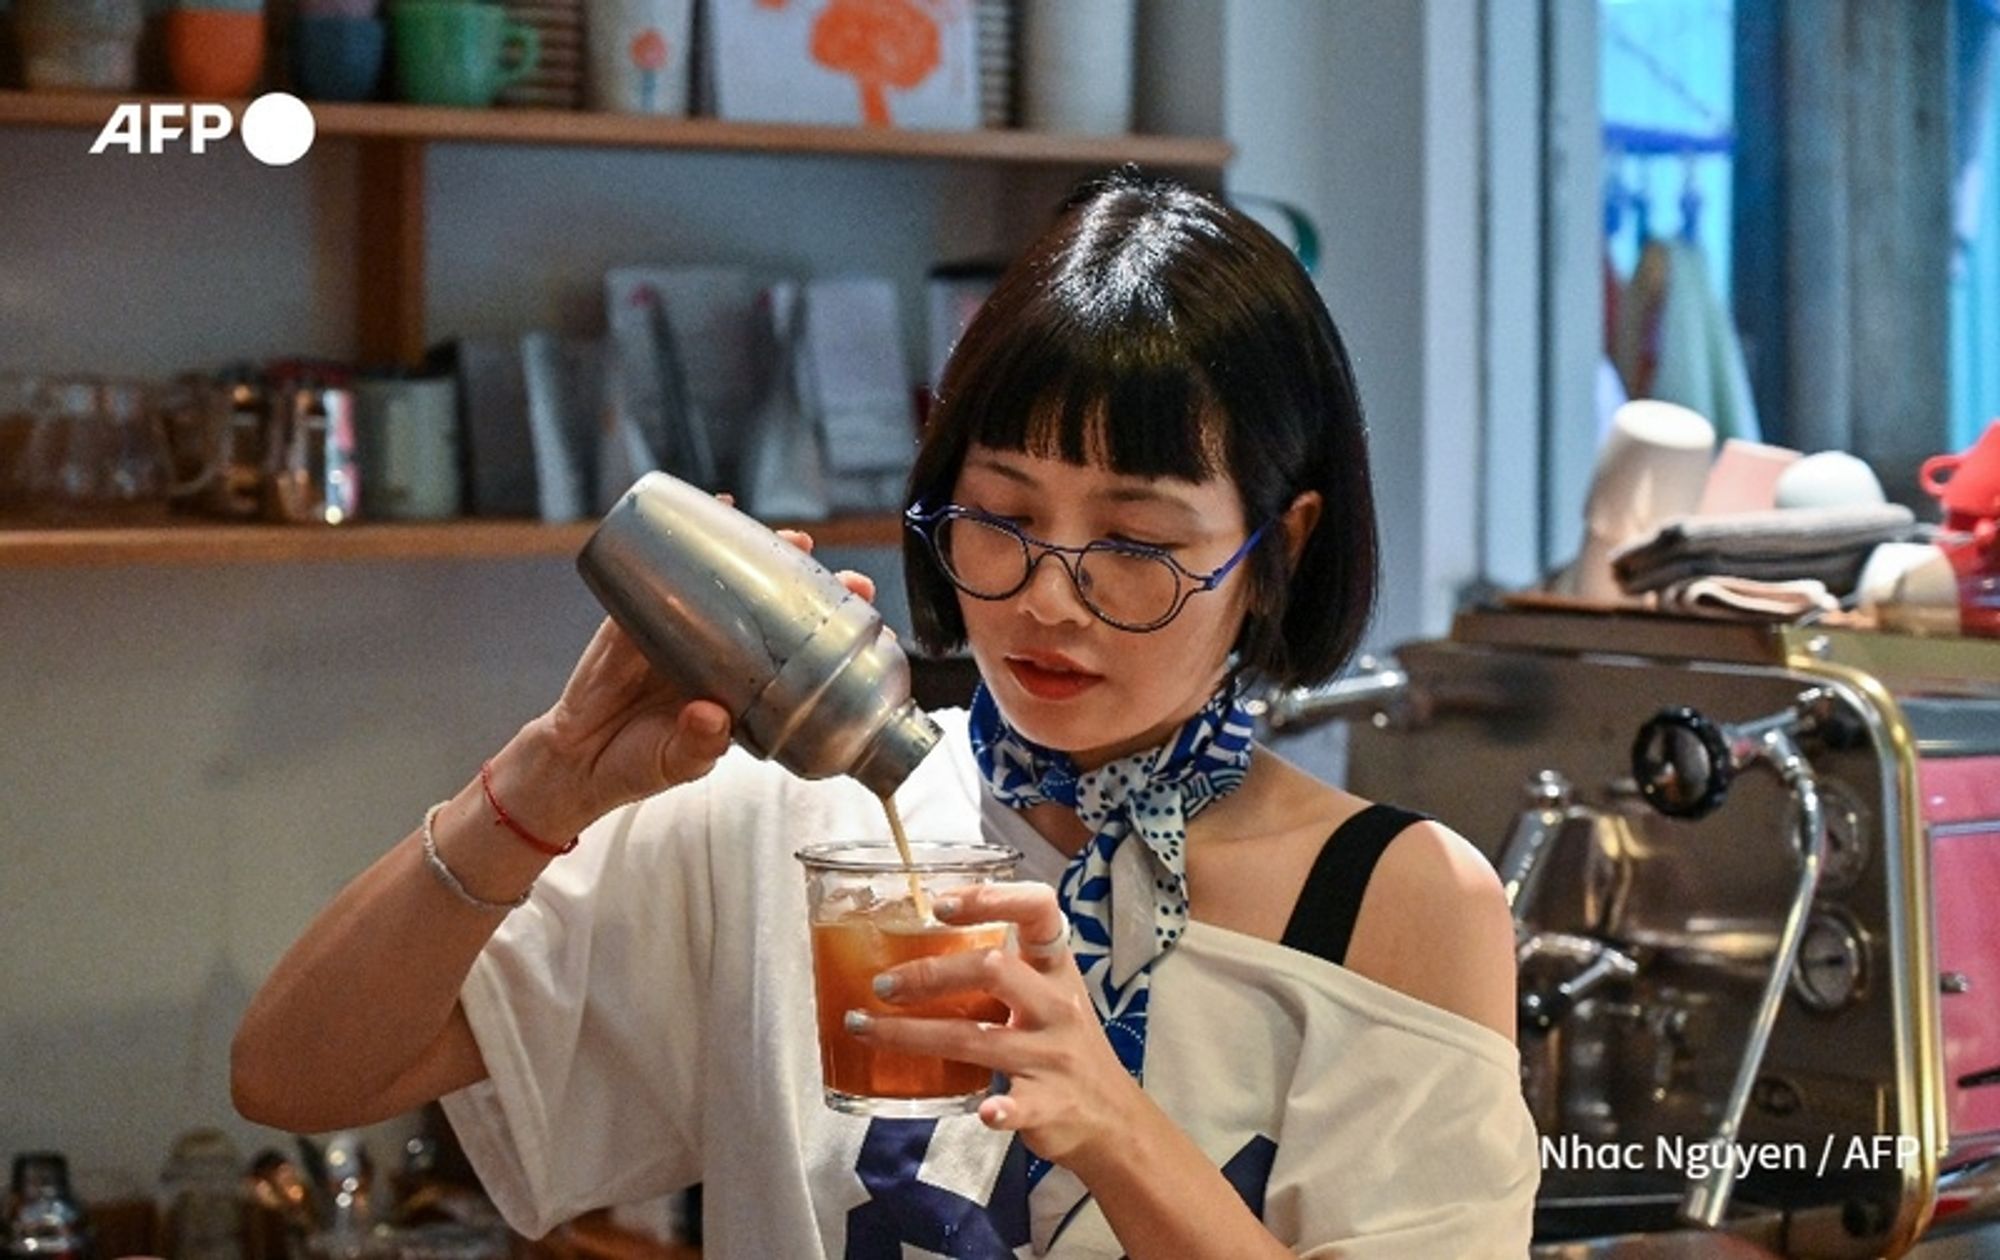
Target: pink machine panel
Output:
[{"x": 1958, "y": 795}]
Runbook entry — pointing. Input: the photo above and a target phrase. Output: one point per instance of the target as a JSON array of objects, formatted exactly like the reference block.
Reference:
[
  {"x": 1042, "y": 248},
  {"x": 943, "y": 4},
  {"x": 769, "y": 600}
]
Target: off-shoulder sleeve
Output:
[
  {"x": 1359, "y": 1122},
  {"x": 1408, "y": 1139}
]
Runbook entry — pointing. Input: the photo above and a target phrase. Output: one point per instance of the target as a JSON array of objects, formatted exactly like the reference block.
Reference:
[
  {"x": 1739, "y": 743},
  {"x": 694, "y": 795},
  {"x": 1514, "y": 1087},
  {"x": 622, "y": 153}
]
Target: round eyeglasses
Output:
[{"x": 1127, "y": 585}]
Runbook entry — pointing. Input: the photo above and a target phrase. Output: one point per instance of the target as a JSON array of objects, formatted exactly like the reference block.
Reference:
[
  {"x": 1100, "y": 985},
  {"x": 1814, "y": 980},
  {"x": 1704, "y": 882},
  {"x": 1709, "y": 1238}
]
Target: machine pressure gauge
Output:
[
  {"x": 1833, "y": 963},
  {"x": 1849, "y": 836}
]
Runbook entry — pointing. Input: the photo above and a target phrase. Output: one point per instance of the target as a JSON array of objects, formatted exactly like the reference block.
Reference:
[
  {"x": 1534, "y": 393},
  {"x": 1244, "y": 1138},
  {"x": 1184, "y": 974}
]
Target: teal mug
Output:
[{"x": 450, "y": 52}]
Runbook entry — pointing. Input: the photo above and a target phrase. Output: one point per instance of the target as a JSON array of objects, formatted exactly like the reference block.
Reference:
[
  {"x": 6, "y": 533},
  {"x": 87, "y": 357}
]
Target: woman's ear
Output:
[{"x": 1298, "y": 523}]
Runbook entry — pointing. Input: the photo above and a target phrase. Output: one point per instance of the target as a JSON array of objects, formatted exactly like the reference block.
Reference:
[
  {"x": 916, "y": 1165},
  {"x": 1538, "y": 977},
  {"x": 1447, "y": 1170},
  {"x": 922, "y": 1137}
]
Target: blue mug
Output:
[{"x": 339, "y": 58}]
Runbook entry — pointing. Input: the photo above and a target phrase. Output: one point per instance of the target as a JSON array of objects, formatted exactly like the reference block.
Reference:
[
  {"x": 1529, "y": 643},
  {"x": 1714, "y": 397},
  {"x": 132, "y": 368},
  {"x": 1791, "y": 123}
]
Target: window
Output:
[
  {"x": 1975, "y": 274},
  {"x": 1666, "y": 90}
]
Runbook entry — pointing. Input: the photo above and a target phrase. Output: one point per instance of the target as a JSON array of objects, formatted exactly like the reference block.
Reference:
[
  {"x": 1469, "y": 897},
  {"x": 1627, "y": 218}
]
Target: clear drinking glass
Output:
[
  {"x": 864, "y": 921},
  {"x": 17, "y": 427},
  {"x": 95, "y": 450}
]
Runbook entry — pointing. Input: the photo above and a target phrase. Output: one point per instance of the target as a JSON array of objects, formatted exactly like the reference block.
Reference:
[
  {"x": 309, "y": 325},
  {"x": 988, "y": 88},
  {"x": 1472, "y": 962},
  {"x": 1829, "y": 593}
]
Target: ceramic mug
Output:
[
  {"x": 215, "y": 53},
  {"x": 79, "y": 45},
  {"x": 1744, "y": 478},
  {"x": 407, "y": 434},
  {"x": 1076, "y": 65},
  {"x": 639, "y": 55},
  {"x": 1651, "y": 468},
  {"x": 1910, "y": 588},
  {"x": 453, "y": 53},
  {"x": 338, "y": 58}
]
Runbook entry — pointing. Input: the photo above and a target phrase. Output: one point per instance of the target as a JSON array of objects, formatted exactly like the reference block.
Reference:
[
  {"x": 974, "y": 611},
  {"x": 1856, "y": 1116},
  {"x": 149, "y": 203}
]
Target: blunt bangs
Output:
[{"x": 1112, "y": 396}]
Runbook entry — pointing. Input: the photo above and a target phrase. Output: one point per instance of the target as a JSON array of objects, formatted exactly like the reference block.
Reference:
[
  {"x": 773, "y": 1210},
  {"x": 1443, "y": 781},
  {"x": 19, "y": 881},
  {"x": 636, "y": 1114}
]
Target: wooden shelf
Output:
[
  {"x": 390, "y": 266},
  {"x": 576, "y": 128},
  {"x": 218, "y": 544}
]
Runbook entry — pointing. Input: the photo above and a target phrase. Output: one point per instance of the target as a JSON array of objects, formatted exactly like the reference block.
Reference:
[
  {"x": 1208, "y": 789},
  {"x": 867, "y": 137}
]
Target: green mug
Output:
[{"x": 454, "y": 52}]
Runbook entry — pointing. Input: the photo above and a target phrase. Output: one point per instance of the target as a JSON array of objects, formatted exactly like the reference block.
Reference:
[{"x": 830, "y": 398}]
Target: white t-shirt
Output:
[{"x": 647, "y": 1022}]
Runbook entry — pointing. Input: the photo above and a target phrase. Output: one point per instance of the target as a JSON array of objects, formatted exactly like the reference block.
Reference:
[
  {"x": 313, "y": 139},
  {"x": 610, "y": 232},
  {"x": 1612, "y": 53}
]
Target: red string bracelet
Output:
[{"x": 507, "y": 819}]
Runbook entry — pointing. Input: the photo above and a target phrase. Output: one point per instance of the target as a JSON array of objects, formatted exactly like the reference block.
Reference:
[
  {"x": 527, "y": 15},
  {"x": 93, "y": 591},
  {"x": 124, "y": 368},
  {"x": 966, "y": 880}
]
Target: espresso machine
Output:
[{"x": 1755, "y": 874}]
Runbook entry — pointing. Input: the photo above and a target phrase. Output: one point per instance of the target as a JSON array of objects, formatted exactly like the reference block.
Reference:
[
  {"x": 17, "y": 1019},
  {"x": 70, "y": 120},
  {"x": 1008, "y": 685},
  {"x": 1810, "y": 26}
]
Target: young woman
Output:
[{"x": 1251, "y": 1014}]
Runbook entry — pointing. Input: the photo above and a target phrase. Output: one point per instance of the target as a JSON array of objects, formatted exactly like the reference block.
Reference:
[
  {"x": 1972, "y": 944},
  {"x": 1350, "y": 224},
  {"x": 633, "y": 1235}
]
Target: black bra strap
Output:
[{"x": 1323, "y": 920}]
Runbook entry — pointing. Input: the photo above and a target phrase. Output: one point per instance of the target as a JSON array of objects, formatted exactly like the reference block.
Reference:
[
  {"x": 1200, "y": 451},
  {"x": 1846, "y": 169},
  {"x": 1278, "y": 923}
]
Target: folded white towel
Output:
[{"x": 1780, "y": 601}]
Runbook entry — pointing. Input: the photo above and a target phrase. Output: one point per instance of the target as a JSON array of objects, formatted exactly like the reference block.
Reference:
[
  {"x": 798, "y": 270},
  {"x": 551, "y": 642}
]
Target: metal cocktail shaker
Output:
[{"x": 727, "y": 611}]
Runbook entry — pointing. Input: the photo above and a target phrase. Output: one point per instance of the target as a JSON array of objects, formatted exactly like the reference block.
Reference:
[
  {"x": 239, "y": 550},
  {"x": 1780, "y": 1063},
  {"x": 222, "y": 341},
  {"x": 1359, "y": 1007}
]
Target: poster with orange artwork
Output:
[{"x": 909, "y": 64}]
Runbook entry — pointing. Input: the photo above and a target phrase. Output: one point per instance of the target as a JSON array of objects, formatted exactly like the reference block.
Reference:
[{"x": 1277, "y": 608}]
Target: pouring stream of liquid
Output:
[{"x": 917, "y": 894}]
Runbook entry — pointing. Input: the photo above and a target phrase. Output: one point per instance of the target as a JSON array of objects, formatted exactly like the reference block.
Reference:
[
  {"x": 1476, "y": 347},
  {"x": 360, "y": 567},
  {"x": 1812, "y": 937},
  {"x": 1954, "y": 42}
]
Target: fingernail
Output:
[
  {"x": 885, "y": 984},
  {"x": 857, "y": 1023},
  {"x": 710, "y": 723},
  {"x": 944, "y": 907}
]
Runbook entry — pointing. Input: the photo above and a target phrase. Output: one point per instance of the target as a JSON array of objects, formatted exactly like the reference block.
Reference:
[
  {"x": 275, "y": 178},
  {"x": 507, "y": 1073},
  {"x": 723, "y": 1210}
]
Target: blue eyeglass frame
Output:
[{"x": 925, "y": 522}]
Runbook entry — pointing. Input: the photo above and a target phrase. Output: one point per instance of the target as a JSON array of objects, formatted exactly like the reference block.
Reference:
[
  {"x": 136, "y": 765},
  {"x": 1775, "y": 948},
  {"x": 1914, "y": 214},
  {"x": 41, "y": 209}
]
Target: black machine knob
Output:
[{"x": 1683, "y": 763}]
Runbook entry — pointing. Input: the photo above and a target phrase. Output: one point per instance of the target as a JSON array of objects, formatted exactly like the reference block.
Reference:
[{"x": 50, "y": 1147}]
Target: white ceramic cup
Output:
[
  {"x": 1651, "y": 469},
  {"x": 639, "y": 55},
  {"x": 1910, "y": 588},
  {"x": 408, "y": 447},
  {"x": 1076, "y": 65}
]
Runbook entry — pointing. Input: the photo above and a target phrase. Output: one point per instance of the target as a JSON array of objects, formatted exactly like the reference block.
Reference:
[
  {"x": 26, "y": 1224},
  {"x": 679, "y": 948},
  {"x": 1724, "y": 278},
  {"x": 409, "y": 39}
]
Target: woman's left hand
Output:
[{"x": 1068, "y": 1095}]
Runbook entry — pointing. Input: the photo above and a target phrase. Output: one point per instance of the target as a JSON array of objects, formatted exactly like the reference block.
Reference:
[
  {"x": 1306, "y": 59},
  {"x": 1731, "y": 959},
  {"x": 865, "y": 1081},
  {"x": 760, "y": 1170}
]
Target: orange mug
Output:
[{"x": 215, "y": 53}]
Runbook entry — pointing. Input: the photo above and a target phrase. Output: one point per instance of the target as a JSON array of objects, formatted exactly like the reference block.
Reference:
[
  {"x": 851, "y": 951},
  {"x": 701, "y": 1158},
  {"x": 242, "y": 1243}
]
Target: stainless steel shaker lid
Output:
[{"x": 904, "y": 741}]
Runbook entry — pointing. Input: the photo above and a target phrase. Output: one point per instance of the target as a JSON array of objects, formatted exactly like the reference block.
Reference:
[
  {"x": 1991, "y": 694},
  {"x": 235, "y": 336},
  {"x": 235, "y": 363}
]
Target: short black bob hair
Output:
[{"x": 1156, "y": 332}]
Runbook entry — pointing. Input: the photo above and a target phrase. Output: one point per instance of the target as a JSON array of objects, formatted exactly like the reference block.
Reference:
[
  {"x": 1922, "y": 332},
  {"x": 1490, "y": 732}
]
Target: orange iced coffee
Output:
[{"x": 865, "y": 922}]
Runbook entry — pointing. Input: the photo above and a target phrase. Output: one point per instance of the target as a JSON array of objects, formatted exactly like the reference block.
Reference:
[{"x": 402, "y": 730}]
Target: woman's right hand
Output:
[{"x": 618, "y": 733}]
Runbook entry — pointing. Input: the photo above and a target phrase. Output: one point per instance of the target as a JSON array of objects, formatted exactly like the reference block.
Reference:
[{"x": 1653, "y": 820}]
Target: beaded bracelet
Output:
[{"x": 444, "y": 875}]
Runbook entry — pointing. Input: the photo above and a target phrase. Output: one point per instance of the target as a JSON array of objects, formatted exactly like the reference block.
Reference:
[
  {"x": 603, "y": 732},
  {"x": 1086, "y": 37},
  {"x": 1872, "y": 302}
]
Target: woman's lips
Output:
[{"x": 1046, "y": 682}]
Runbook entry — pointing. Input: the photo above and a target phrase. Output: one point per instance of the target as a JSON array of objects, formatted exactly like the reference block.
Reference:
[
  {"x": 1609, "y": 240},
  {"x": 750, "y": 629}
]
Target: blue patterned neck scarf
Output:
[{"x": 1153, "y": 794}]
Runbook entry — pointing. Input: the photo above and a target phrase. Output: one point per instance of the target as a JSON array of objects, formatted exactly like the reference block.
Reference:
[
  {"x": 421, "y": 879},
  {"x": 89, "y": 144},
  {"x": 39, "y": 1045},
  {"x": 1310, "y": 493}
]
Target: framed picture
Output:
[{"x": 874, "y": 63}]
